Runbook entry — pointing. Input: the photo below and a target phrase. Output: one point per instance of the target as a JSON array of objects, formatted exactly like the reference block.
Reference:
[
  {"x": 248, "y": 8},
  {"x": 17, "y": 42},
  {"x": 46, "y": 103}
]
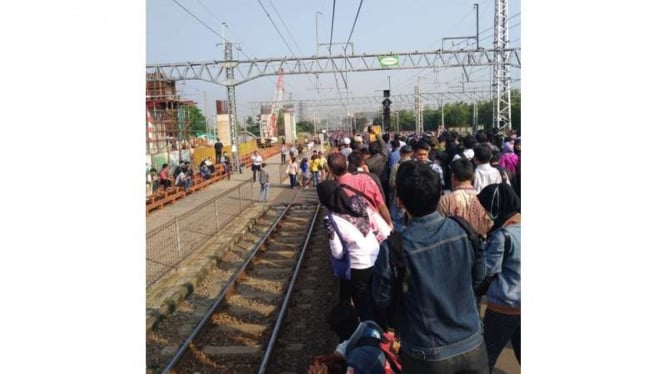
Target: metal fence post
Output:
[
  {"x": 216, "y": 216},
  {"x": 177, "y": 237},
  {"x": 240, "y": 198}
]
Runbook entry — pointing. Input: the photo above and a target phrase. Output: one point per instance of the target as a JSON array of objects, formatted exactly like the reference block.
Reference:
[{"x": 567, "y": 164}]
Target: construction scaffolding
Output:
[{"x": 168, "y": 125}]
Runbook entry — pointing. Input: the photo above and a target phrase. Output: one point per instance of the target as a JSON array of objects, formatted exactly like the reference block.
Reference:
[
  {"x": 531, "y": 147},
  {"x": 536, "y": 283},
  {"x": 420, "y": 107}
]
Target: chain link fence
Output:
[{"x": 168, "y": 245}]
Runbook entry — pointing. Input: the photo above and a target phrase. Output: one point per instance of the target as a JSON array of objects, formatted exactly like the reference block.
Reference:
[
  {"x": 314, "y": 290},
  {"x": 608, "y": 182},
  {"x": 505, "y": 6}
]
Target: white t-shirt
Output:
[
  {"x": 363, "y": 250},
  {"x": 257, "y": 160}
]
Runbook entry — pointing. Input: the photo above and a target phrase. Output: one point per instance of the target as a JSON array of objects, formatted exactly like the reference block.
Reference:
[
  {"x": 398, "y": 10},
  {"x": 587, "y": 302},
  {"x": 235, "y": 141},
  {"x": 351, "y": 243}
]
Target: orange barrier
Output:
[{"x": 161, "y": 197}]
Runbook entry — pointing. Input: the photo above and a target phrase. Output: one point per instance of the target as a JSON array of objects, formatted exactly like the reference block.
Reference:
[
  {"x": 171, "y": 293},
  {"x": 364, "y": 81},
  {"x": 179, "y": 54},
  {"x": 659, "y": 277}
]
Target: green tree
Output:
[
  {"x": 407, "y": 120},
  {"x": 252, "y": 126},
  {"x": 305, "y": 127},
  {"x": 280, "y": 124},
  {"x": 458, "y": 114},
  {"x": 197, "y": 121},
  {"x": 431, "y": 119},
  {"x": 485, "y": 115},
  {"x": 516, "y": 109}
]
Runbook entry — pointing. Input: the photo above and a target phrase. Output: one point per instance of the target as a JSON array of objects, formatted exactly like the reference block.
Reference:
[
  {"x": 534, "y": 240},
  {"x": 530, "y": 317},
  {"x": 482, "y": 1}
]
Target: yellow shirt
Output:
[{"x": 315, "y": 165}]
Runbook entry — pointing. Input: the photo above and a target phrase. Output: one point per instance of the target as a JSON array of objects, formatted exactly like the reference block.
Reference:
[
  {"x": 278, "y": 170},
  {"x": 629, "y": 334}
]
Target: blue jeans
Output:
[
  {"x": 264, "y": 192},
  {"x": 186, "y": 184},
  {"x": 397, "y": 216},
  {"x": 315, "y": 174},
  {"x": 292, "y": 179}
]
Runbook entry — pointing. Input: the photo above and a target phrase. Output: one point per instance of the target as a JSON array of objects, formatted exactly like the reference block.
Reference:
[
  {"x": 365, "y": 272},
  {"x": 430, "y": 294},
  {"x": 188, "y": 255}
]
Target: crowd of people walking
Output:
[{"x": 421, "y": 230}]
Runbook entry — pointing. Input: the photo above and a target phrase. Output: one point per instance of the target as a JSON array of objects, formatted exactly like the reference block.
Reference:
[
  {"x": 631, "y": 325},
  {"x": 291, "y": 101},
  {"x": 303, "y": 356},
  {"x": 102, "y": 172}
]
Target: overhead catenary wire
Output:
[
  {"x": 198, "y": 19},
  {"x": 353, "y": 27},
  {"x": 419, "y": 73},
  {"x": 292, "y": 38},
  {"x": 276, "y": 28},
  {"x": 332, "y": 28}
]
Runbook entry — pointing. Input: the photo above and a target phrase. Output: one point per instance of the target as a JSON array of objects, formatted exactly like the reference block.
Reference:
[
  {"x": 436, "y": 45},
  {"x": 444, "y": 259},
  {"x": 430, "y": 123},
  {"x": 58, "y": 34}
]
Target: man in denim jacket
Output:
[{"x": 439, "y": 326}]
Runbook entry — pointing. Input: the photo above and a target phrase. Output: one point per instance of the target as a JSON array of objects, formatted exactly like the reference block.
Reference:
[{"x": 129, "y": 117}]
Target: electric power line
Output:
[
  {"x": 332, "y": 27},
  {"x": 222, "y": 22},
  {"x": 198, "y": 19},
  {"x": 292, "y": 38},
  {"x": 354, "y": 26},
  {"x": 286, "y": 27},
  {"x": 276, "y": 29}
]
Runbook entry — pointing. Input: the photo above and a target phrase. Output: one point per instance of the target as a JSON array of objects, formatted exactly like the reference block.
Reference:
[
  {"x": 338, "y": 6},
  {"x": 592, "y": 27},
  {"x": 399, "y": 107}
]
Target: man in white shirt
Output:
[
  {"x": 347, "y": 147},
  {"x": 257, "y": 160},
  {"x": 484, "y": 174}
]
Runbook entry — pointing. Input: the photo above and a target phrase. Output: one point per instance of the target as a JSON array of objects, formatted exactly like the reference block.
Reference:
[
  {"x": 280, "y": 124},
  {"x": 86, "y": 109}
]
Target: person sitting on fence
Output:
[
  {"x": 183, "y": 179},
  {"x": 154, "y": 180},
  {"x": 164, "y": 176},
  {"x": 205, "y": 172},
  {"x": 210, "y": 165},
  {"x": 178, "y": 169}
]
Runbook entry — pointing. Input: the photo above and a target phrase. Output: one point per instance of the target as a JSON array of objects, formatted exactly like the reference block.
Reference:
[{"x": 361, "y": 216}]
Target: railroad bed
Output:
[{"x": 226, "y": 325}]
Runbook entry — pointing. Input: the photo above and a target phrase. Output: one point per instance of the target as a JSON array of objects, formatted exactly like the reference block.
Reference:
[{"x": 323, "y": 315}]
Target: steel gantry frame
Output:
[
  {"x": 224, "y": 72},
  {"x": 501, "y": 68},
  {"x": 247, "y": 70}
]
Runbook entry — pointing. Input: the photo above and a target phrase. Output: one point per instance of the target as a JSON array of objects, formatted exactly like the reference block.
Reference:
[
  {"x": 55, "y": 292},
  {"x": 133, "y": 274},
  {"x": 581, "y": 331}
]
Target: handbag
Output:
[{"x": 341, "y": 266}]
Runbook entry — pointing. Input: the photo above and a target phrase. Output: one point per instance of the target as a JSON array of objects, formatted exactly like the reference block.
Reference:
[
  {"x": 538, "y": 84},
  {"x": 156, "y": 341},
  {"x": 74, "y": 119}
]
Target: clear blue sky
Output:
[{"x": 174, "y": 35}]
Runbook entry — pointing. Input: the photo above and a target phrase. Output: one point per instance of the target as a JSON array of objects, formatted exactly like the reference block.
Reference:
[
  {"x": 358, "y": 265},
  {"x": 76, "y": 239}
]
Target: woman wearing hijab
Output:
[
  {"x": 350, "y": 217},
  {"x": 508, "y": 159},
  {"x": 502, "y": 261}
]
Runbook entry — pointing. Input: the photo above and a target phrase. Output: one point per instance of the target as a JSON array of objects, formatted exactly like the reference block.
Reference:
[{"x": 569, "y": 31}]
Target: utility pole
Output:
[
  {"x": 419, "y": 114},
  {"x": 205, "y": 111},
  {"x": 475, "y": 117},
  {"x": 316, "y": 21},
  {"x": 229, "y": 66},
  {"x": 501, "y": 67},
  {"x": 443, "y": 117},
  {"x": 397, "y": 120}
]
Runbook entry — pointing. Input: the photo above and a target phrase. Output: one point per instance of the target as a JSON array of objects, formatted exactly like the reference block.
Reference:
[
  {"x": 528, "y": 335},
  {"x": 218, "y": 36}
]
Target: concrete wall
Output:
[
  {"x": 290, "y": 127},
  {"x": 224, "y": 129}
]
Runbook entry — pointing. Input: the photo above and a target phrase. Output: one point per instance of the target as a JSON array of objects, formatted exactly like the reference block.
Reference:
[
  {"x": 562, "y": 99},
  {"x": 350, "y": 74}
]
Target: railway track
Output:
[{"x": 262, "y": 309}]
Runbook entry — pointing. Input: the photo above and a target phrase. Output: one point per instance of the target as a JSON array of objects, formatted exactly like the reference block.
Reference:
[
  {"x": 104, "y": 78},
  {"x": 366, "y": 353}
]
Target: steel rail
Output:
[
  {"x": 184, "y": 347},
  {"x": 287, "y": 297}
]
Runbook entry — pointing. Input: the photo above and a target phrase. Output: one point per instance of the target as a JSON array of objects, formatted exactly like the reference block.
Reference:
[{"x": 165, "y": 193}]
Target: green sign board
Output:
[{"x": 389, "y": 61}]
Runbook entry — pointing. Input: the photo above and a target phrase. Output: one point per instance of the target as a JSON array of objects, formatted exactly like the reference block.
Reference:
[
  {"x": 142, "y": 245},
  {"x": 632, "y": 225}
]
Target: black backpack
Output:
[
  {"x": 478, "y": 245},
  {"x": 399, "y": 264}
]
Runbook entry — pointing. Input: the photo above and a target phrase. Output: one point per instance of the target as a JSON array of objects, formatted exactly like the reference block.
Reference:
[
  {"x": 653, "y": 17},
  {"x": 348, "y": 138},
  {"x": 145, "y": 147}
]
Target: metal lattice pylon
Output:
[{"x": 501, "y": 67}]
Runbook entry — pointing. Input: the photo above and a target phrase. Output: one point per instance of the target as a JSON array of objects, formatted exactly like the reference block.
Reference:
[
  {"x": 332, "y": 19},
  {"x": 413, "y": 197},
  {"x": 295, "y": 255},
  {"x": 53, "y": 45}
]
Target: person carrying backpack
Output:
[
  {"x": 438, "y": 321},
  {"x": 502, "y": 319},
  {"x": 349, "y": 234},
  {"x": 164, "y": 177}
]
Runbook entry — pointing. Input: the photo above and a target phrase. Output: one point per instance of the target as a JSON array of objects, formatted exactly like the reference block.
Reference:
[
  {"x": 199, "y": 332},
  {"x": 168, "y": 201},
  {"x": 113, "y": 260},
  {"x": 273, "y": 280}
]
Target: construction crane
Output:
[{"x": 269, "y": 128}]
